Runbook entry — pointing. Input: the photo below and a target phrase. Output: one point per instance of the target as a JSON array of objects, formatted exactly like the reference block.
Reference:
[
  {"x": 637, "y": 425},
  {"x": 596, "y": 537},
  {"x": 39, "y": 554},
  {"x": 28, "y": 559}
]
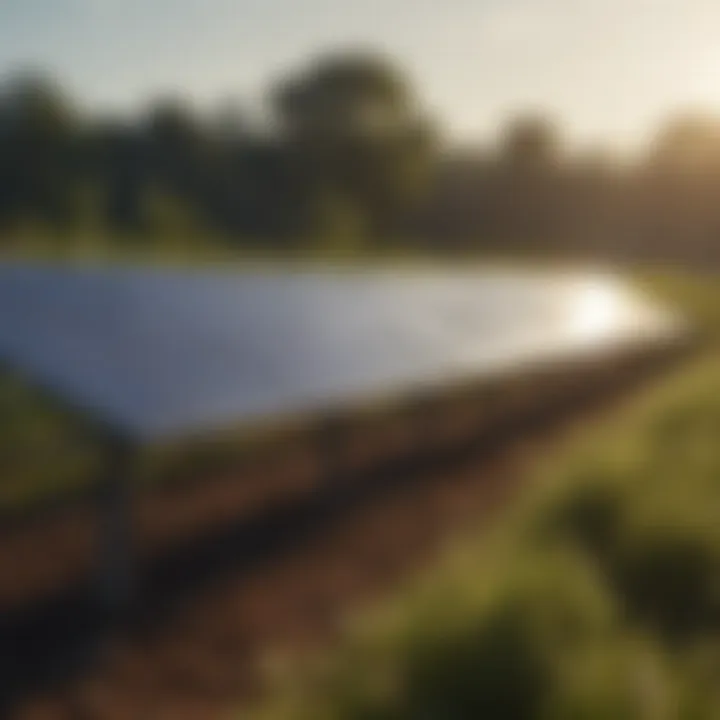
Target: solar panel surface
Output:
[{"x": 160, "y": 353}]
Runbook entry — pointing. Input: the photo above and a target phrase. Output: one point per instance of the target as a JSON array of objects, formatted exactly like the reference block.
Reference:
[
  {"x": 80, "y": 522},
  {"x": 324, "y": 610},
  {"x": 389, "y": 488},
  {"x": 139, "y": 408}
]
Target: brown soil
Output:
[{"x": 234, "y": 570}]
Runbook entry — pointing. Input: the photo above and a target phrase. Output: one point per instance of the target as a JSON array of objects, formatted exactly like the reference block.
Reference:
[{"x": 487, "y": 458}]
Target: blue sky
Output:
[{"x": 608, "y": 69}]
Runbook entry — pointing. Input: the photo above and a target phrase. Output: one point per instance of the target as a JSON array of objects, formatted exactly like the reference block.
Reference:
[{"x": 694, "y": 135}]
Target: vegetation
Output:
[
  {"x": 44, "y": 451},
  {"x": 346, "y": 159},
  {"x": 348, "y": 141},
  {"x": 597, "y": 597}
]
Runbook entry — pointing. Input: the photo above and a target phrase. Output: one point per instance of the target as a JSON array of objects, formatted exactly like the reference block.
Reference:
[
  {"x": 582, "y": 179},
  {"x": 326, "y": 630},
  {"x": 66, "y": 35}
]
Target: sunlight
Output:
[{"x": 596, "y": 310}]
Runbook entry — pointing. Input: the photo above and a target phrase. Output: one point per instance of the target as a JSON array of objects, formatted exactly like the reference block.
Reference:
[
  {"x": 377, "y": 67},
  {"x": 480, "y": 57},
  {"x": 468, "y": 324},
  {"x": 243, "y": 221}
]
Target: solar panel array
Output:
[{"x": 160, "y": 353}]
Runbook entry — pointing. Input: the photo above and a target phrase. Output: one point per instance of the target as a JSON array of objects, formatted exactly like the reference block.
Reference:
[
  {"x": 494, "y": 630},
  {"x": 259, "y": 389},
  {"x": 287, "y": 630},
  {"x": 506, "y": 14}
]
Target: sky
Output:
[{"x": 608, "y": 71}]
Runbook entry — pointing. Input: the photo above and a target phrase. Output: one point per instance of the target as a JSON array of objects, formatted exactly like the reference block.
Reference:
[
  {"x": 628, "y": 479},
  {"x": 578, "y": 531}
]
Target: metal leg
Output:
[
  {"x": 330, "y": 436},
  {"x": 116, "y": 584}
]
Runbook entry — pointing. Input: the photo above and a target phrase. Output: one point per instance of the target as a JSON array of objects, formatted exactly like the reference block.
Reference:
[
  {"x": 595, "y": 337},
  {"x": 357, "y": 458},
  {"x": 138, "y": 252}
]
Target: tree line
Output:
[{"x": 347, "y": 154}]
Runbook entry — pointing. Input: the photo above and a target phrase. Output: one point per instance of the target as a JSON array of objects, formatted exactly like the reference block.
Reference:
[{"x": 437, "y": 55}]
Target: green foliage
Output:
[
  {"x": 351, "y": 125},
  {"x": 167, "y": 220},
  {"x": 589, "y": 515},
  {"x": 506, "y": 660},
  {"x": 337, "y": 228},
  {"x": 694, "y": 294},
  {"x": 354, "y": 128},
  {"x": 669, "y": 575},
  {"x": 43, "y": 451}
]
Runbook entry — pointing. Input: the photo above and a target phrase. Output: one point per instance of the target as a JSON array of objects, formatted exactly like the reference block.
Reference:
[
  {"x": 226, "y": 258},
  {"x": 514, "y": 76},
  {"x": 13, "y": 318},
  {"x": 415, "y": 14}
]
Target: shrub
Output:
[
  {"x": 669, "y": 576},
  {"x": 589, "y": 515}
]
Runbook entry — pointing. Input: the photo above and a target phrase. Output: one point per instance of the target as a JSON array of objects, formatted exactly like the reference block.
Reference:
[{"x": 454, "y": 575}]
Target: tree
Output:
[
  {"x": 39, "y": 132},
  {"x": 177, "y": 150},
  {"x": 687, "y": 144},
  {"x": 530, "y": 190},
  {"x": 681, "y": 182},
  {"x": 167, "y": 219},
  {"x": 531, "y": 142},
  {"x": 354, "y": 130}
]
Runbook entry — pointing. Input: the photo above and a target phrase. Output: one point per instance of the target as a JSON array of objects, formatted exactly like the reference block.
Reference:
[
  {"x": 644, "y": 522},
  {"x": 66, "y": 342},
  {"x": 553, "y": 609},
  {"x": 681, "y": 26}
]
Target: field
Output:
[
  {"x": 493, "y": 596},
  {"x": 595, "y": 597}
]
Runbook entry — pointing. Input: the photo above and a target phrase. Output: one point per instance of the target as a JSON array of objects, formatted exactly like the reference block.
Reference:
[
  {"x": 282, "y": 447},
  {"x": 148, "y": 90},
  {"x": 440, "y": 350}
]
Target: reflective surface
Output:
[{"x": 159, "y": 353}]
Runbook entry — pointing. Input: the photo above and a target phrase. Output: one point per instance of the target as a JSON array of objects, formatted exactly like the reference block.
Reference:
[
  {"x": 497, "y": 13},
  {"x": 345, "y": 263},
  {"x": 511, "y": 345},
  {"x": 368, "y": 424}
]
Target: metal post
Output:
[
  {"x": 116, "y": 582},
  {"x": 330, "y": 436}
]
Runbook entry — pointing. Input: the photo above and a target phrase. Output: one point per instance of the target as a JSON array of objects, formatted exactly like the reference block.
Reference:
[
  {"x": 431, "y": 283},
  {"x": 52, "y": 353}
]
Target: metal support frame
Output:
[
  {"x": 330, "y": 436},
  {"x": 116, "y": 581}
]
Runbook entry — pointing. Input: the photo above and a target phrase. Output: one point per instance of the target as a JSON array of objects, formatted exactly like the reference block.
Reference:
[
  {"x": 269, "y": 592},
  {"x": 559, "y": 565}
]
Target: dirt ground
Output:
[{"x": 235, "y": 572}]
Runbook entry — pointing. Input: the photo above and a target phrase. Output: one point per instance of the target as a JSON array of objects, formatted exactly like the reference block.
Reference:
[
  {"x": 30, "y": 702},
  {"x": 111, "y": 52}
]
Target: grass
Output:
[
  {"x": 697, "y": 295},
  {"x": 45, "y": 451},
  {"x": 596, "y": 598},
  {"x": 213, "y": 250}
]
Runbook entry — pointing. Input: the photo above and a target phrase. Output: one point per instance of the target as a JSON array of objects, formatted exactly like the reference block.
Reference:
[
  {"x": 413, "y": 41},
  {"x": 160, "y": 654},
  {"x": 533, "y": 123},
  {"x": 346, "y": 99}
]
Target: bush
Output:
[
  {"x": 669, "y": 577},
  {"x": 589, "y": 516}
]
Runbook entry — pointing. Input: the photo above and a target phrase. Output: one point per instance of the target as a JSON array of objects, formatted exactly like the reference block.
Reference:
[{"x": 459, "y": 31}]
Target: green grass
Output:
[
  {"x": 597, "y": 597},
  {"x": 45, "y": 451},
  {"x": 697, "y": 295},
  {"x": 213, "y": 250}
]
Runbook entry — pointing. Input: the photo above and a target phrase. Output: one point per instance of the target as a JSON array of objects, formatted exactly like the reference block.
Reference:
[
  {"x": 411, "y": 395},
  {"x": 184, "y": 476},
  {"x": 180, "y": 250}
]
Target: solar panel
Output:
[{"x": 159, "y": 353}]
